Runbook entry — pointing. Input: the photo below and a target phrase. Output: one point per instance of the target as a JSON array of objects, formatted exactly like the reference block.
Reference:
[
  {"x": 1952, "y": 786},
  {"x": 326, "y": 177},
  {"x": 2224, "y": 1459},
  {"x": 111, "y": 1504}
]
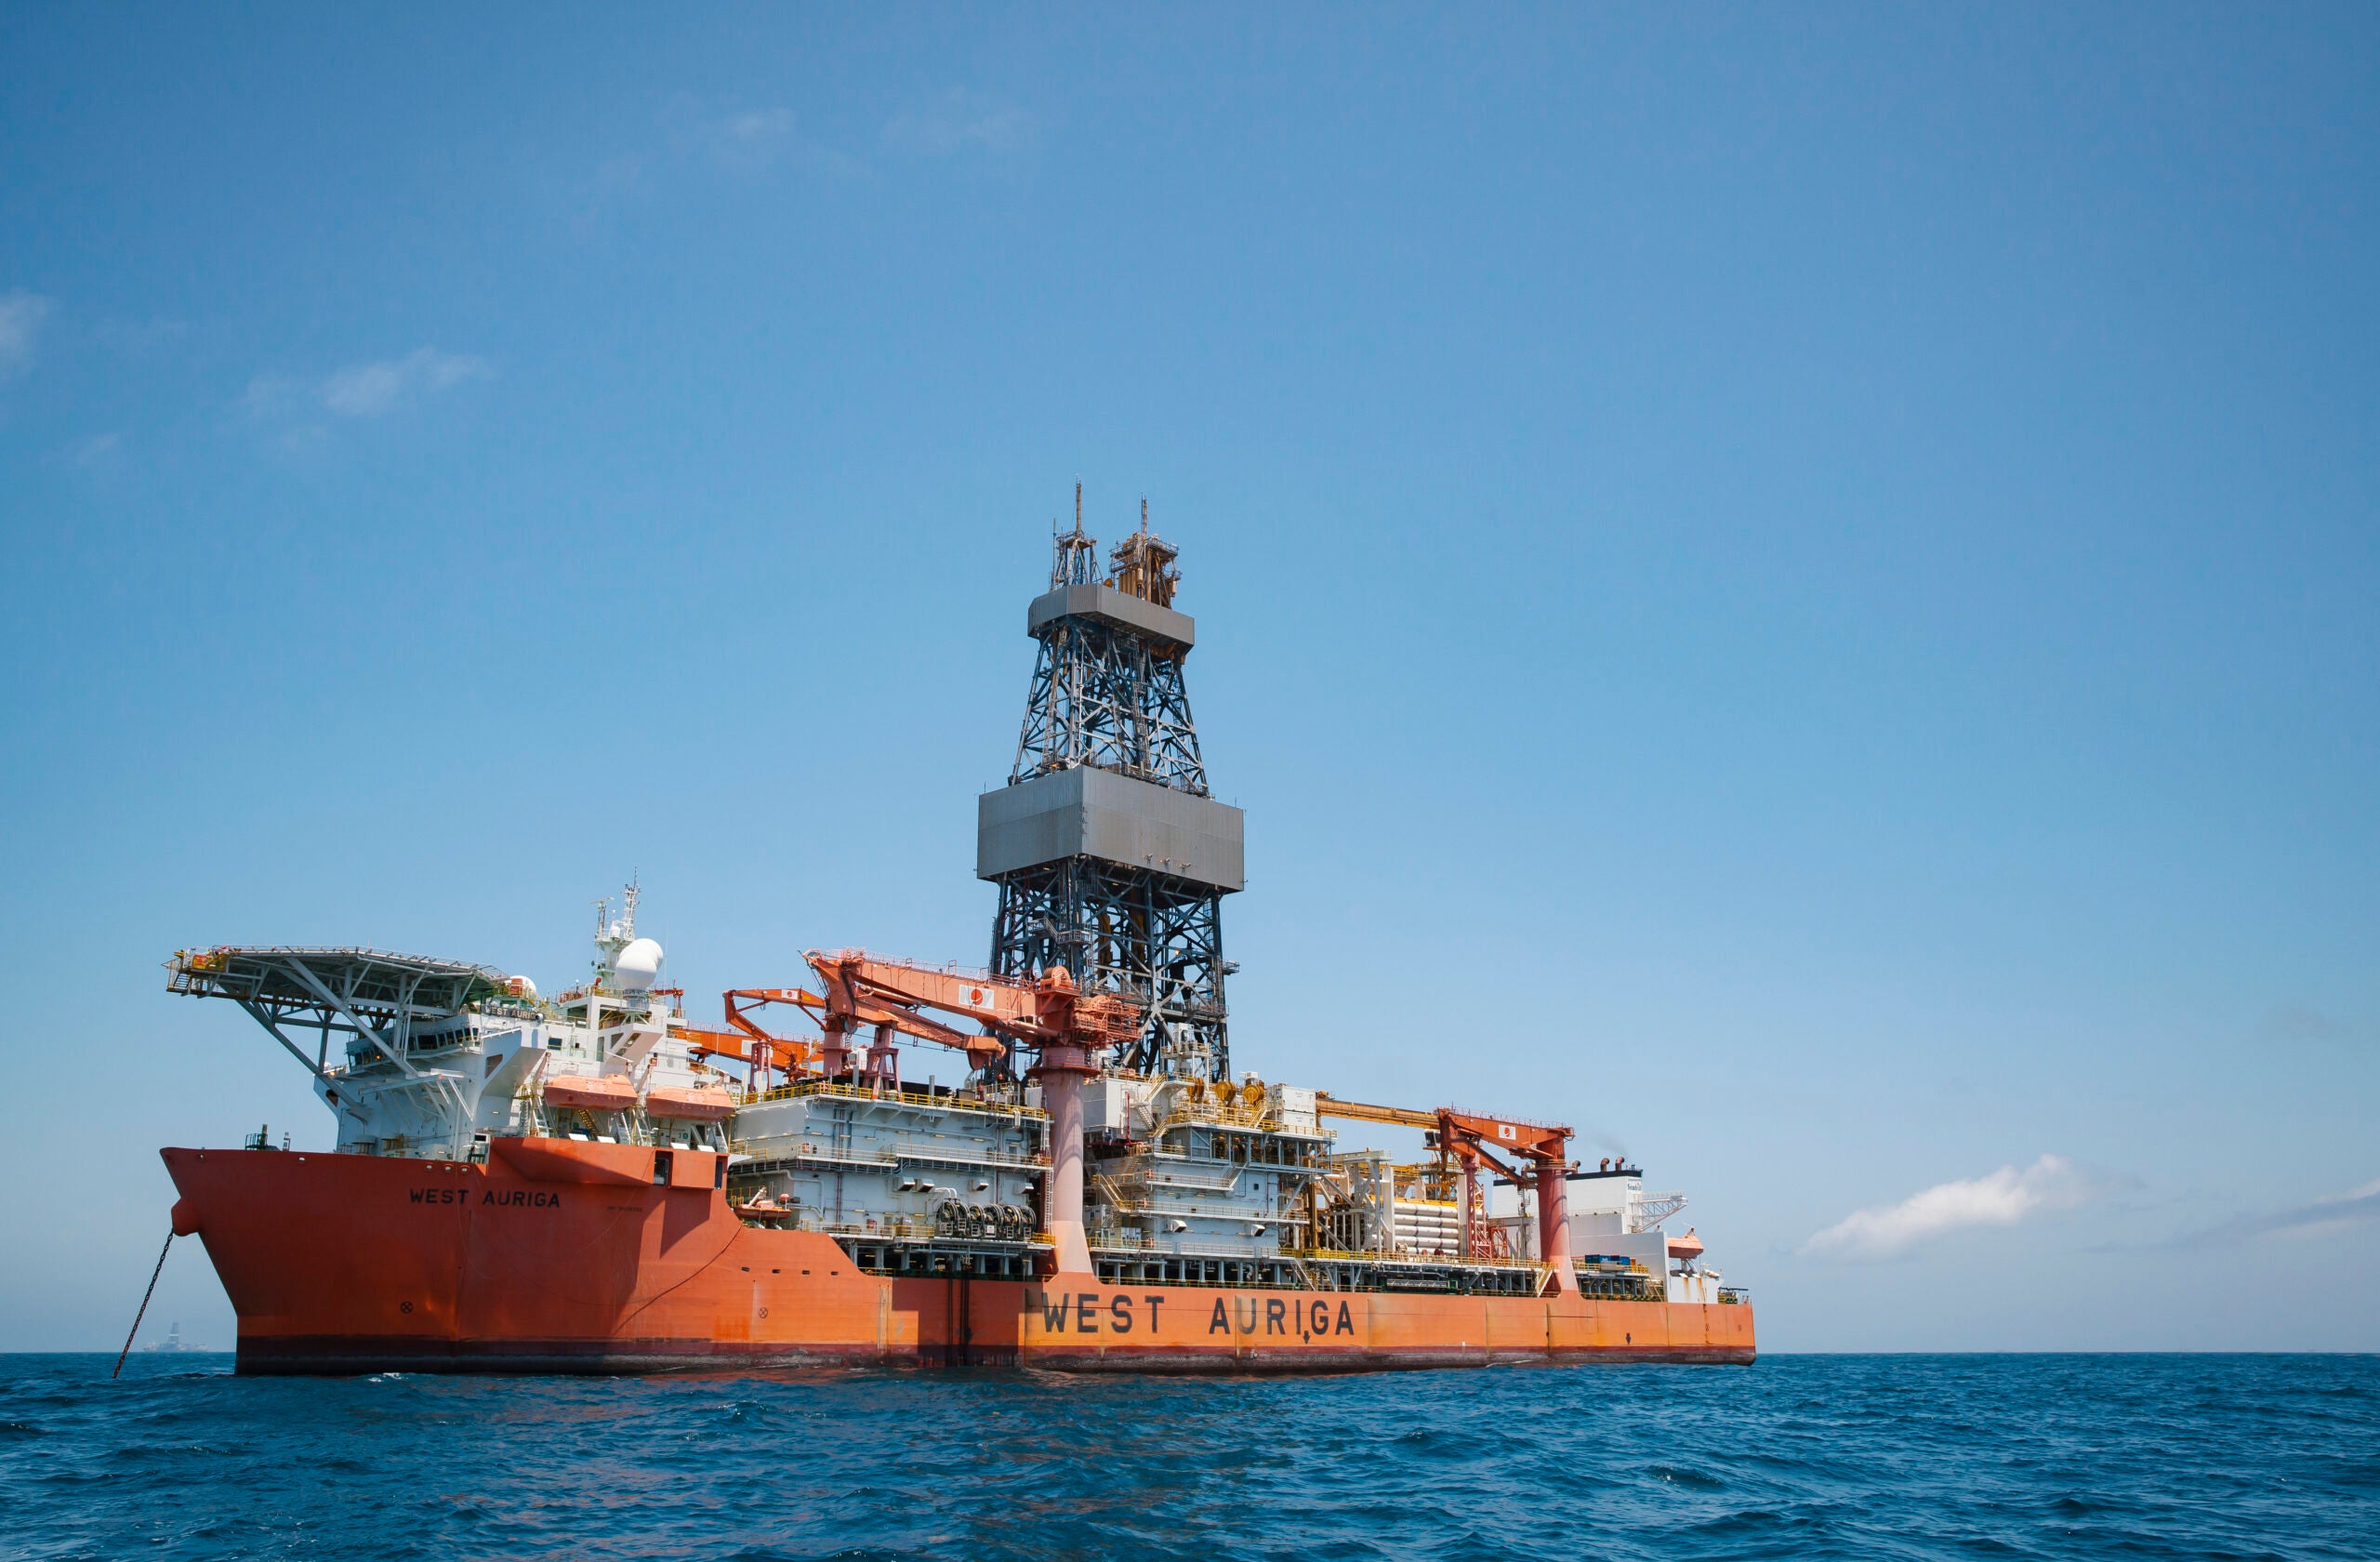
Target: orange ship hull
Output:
[{"x": 559, "y": 1256}]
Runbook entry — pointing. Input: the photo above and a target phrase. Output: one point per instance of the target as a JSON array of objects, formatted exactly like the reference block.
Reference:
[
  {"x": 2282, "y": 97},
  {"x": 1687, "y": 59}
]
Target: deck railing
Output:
[{"x": 891, "y": 1097}]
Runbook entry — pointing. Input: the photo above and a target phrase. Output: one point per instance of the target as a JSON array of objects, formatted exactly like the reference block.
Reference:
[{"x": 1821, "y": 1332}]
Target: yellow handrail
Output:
[{"x": 901, "y": 1097}]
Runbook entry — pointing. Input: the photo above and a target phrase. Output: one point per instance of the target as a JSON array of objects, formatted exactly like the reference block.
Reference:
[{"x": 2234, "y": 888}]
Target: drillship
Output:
[{"x": 589, "y": 1183}]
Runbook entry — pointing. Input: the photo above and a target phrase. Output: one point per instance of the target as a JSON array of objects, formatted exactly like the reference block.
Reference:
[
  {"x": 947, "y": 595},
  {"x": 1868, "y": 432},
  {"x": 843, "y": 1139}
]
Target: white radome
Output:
[{"x": 637, "y": 965}]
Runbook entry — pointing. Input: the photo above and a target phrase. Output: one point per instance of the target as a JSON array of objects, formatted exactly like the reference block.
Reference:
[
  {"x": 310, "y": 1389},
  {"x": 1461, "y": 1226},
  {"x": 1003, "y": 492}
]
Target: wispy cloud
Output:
[
  {"x": 961, "y": 121},
  {"x": 286, "y": 409},
  {"x": 21, "y": 314},
  {"x": 134, "y": 337},
  {"x": 369, "y": 389},
  {"x": 2294, "y": 1024},
  {"x": 2002, "y": 1198},
  {"x": 267, "y": 394},
  {"x": 95, "y": 451},
  {"x": 740, "y": 138},
  {"x": 2326, "y": 1216},
  {"x": 297, "y": 411},
  {"x": 754, "y": 127},
  {"x": 711, "y": 138}
]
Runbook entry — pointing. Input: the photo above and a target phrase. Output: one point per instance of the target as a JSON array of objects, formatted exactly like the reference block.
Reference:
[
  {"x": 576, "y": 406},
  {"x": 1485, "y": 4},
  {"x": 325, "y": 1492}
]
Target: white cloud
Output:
[
  {"x": 21, "y": 314},
  {"x": 283, "y": 409},
  {"x": 97, "y": 449},
  {"x": 958, "y": 120},
  {"x": 2002, "y": 1198},
  {"x": 267, "y": 394},
  {"x": 758, "y": 126},
  {"x": 94, "y": 453},
  {"x": 709, "y": 139},
  {"x": 370, "y": 390},
  {"x": 739, "y": 140},
  {"x": 624, "y": 175},
  {"x": 2327, "y": 1216},
  {"x": 2294, "y": 1025},
  {"x": 133, "y": 337},
  {"x": 732, "y": 138},
  {"x": 299, "y": 412}
]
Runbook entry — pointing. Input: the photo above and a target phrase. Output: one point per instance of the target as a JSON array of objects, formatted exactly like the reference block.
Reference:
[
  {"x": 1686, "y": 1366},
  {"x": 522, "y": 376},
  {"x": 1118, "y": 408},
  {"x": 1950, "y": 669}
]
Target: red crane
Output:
[
  {"x": 1469, "y": 1137},
  {"x": 1065, "y": 1025},
  {"x": 764, "y": 1049},
  {"x": 864, "y": 989}
]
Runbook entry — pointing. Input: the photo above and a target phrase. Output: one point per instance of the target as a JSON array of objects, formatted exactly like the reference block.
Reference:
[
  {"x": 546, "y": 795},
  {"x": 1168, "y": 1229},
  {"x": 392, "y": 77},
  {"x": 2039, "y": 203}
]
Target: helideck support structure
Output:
[{"x": 1111, "y": 857}]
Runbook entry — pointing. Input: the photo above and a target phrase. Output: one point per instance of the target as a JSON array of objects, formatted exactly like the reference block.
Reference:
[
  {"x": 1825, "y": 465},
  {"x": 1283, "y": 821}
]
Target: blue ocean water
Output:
[{"x": 1890, "y": 1456}]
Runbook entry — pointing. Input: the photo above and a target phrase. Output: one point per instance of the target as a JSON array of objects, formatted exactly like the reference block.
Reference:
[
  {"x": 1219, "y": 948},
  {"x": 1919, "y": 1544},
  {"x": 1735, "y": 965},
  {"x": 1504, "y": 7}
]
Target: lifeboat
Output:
[
  {"x": 1688, "y": 1246},
  {"x": 701, "y": 1103},
  {"x": 586, "y": 1092}
]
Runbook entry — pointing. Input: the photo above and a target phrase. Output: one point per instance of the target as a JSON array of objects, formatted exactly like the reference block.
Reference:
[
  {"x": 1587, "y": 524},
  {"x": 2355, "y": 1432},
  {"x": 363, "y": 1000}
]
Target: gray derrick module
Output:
[{"x": 1111, "y": 856}]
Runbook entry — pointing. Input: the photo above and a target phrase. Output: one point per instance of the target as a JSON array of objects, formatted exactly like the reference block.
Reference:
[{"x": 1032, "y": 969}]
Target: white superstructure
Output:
[
  {"x": 432, "y": 1058},
  {"x": 1614, "y": 1220}
]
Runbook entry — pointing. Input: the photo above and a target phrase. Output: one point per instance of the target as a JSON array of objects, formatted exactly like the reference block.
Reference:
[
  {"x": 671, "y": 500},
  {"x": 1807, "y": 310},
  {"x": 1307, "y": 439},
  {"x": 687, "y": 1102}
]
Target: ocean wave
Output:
[{"x": 1900, "y": 1456}]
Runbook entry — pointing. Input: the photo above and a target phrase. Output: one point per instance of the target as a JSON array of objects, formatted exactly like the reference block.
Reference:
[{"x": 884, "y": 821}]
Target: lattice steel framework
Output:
[
  {"x": 1109, "y": 695},
  {"x": 1128, "y": 930}
]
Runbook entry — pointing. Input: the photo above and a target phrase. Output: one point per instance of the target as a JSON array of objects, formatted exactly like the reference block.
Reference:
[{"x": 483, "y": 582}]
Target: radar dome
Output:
[{"x": 635, "y": 967}]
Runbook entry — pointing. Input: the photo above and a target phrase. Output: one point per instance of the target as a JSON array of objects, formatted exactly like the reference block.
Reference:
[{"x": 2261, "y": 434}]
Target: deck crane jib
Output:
[
  {"x": 1069, "y": 1030},
  {"x": 852, "y": 1144},
  {"x": 765, "y": 1054},
  {"x": 1473, "y": 1140},
  {"x": 1470, "y": 1142}
]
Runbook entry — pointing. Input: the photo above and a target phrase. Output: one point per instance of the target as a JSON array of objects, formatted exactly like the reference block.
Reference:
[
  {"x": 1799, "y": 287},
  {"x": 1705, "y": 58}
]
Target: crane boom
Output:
[
  {"x": 1067, "y": 1027},
  {"x": 1542, "y": 1142},
  {"x": 1468, "y": 1135},
  {"x": 1328, "y": 1106},
  {"x": 766, "y": 1048},
  {"x": 865, "y": 989}
]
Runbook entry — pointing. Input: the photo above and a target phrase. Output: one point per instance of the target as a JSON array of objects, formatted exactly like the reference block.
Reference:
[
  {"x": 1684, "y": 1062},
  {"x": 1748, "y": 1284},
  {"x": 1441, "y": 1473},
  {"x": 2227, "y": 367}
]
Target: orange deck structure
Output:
[{"x": 561, "y": 1256}]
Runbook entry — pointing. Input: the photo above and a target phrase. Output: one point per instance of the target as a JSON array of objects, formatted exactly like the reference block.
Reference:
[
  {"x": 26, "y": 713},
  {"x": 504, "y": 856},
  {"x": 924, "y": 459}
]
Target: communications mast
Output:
[{"x": 1111, "y": 857}]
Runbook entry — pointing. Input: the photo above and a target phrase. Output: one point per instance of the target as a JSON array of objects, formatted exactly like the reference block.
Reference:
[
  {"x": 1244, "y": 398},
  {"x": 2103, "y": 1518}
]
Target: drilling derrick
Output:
[{"x": 1111, "y": 857}]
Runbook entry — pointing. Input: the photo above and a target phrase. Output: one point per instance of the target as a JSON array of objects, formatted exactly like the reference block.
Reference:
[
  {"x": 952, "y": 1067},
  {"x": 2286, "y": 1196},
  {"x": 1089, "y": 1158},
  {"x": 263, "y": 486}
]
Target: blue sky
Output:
[{"x": 1793, "y": 587}]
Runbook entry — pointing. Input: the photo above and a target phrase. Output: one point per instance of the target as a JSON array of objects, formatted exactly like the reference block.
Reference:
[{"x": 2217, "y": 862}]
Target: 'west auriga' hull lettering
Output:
[{"x": 358, "y": 1264}]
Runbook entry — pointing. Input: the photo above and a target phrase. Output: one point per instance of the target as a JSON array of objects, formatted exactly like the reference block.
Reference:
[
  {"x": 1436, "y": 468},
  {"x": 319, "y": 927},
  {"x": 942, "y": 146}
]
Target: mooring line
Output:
[{"x": 144, "y": 1304}]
